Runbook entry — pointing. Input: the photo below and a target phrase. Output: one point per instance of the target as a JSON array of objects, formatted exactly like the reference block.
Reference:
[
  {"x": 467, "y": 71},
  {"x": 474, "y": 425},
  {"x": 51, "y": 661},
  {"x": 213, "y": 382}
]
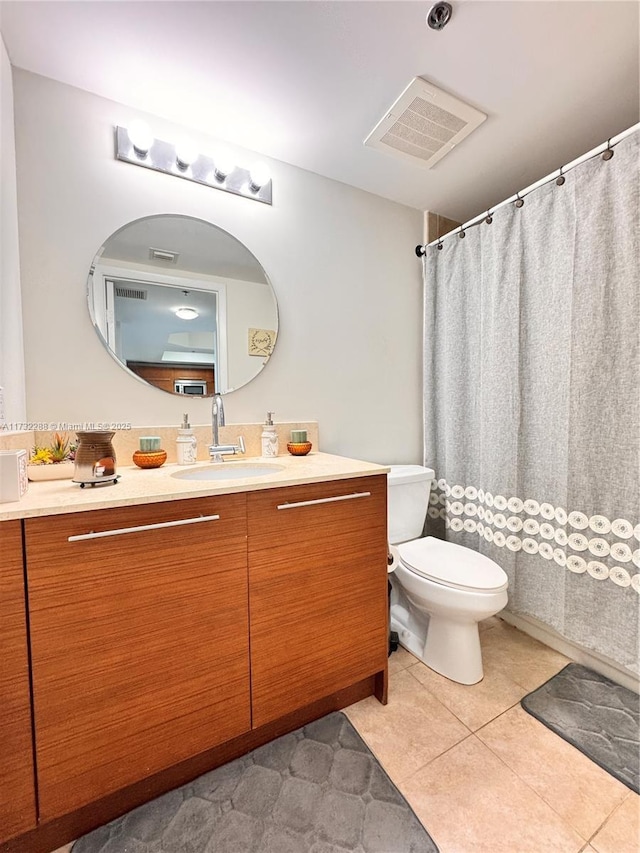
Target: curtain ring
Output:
[
  {"x": 439, "y": 246},
  {"x": 561, "y": 178},
  {"x": 519, "y": 202},
  {"x": 461, "y": 234},
  {"x": 488, "y": 218},
  {"x": 608, "y": 154}
]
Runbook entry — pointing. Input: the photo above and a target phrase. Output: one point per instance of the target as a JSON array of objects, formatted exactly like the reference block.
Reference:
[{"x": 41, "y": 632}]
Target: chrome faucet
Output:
[{"x": 217, "y": 450}]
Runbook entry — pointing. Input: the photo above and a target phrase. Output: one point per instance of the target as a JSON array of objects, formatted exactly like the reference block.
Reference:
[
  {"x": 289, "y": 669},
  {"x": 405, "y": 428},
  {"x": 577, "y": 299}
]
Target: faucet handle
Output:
[{"x": 241, "y": 446}]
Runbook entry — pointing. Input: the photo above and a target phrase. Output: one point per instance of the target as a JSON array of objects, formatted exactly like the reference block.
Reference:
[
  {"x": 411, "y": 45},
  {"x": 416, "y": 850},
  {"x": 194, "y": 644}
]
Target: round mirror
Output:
[{"x": 183, "y": 305}]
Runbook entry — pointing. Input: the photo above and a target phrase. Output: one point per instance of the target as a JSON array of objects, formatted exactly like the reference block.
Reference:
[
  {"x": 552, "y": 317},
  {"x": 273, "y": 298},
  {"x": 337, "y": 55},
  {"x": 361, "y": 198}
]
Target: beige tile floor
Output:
[{"x": 481, "y": 774}]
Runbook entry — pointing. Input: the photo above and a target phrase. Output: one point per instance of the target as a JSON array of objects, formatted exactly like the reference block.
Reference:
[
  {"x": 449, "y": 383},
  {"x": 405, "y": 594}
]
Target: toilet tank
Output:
[{"x": 408, "y": 501}]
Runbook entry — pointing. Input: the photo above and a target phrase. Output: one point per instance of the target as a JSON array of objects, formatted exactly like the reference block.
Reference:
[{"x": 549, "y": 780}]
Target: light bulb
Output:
[
  {"x": 258, "y": 176},
  {"x": 186, "y": 313},
  {"x": 140, "y": 136},
  {"x": 186, "y": 153},
  {"x": 223, "y": 165}
]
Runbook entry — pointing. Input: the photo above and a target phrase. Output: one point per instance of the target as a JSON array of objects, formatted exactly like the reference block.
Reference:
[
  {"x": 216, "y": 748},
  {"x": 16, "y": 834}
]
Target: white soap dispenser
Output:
[
  {"x": 269, "y": 438},
  {"x": 186, "y": 443}
]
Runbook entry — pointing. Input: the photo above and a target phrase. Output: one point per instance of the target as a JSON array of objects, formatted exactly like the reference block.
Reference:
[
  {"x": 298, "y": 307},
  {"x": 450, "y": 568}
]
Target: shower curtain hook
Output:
[
  {"x": 489, "y": 218},
  {"x": 439, "y": 246},
  {"x": 608, "y": 154},
  {"x": 561, "y": 178},
  {"x": 461, "y": 234},
  {"x": 520, "y": 201}
]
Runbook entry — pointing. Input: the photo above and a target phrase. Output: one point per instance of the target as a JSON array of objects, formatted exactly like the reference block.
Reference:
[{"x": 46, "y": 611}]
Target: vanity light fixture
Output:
[
  {"x": 138, "y": 146},
  {"x": 186, "y": 313}
]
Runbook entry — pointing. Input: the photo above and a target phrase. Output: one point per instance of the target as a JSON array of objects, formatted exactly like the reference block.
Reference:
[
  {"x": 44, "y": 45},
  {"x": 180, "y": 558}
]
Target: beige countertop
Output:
[{"x": 140, "y": 486}]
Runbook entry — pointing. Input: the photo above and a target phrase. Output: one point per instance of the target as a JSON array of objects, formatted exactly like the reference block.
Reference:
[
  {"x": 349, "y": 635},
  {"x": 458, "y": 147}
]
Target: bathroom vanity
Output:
[
  {"x": 17, "y": 803},
  {"x": 174, "y": 625}
]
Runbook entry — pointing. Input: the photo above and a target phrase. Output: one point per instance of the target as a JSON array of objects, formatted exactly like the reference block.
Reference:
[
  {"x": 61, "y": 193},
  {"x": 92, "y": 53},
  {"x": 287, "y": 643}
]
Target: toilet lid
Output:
[{"x": 452, "y": 565}]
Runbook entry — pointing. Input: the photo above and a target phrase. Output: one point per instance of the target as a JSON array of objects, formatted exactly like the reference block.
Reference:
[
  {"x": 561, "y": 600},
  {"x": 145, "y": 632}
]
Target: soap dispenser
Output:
[
  {"x": 186, "y": 443},
  {"x": 269, "y": 438}
]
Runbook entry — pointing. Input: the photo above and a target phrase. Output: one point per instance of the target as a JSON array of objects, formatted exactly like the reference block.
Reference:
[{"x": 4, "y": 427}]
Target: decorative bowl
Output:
[
  {"x": 150, "y": 458},
  {"x": 53, "y": 471},
  {"x": 299, "y": 448}
]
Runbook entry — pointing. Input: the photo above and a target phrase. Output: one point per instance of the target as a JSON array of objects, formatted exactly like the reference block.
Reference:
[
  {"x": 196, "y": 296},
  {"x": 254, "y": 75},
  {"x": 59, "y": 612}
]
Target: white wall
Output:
[
  {"x": 11, "y": 349},
  {"x": 341, "y": 262},
  {"x": 249, "y": 306}
]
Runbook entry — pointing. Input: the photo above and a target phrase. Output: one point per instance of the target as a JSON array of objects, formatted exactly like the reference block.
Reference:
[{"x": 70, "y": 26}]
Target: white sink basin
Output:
[{"x": 228, "y": 471}]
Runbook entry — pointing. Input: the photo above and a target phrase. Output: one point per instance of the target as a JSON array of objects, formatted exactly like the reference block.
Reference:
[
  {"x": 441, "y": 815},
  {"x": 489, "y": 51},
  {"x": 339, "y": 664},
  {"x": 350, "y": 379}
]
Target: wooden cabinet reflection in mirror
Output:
[{"x": 194, "y": 380}]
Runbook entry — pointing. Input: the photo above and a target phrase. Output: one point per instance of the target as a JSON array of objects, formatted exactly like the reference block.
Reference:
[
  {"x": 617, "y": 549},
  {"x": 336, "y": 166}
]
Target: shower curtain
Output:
[{"x": 532, "y": 399}]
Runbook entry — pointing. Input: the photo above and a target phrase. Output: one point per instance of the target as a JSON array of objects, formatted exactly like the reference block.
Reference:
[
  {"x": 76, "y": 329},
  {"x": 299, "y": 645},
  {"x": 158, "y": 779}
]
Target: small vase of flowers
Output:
[{"x": 55, "y": 462}]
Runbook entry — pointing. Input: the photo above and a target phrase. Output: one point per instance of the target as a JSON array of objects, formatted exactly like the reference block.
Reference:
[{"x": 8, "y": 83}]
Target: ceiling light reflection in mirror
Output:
[{"x": 178, "y": 301}]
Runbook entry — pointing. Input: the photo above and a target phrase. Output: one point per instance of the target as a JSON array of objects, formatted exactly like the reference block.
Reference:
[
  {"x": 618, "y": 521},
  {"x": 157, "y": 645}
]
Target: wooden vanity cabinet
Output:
[
  {"x": 140, "y": 650},
  {"x": 17, "y": 785},
  {"x": 317, "y": 591}
]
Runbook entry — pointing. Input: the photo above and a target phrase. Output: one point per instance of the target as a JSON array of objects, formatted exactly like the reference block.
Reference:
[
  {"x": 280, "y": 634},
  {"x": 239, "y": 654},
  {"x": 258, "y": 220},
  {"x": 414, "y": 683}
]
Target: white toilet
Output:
[{"x": 440, "y": 590}]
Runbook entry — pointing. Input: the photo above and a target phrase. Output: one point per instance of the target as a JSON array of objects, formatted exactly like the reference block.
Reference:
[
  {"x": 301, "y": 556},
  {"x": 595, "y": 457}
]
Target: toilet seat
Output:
[{"x": 452, "y": 565}]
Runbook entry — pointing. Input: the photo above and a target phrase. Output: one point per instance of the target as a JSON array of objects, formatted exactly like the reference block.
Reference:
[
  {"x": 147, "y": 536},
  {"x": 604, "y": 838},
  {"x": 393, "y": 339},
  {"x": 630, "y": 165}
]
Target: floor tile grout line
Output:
[
  {"x": 430, "y": 761},
  {"x": 400, "y": 785},
  {"x": 446, "y": 707},
  {"x": 610, "y": 816},
  {"x": 473, "y": 731},
  {"x": 396, "y": 782},
  {"x": 536, "y": 793},
  {"x": 544, "y": 800},
  {"x": 497, "y": 717}
]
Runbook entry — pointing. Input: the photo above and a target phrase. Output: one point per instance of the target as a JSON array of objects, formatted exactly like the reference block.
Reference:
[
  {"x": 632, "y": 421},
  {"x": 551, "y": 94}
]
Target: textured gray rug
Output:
[
  {"x": 316, "y": 790},
  {"x": 599, "y": 717}
]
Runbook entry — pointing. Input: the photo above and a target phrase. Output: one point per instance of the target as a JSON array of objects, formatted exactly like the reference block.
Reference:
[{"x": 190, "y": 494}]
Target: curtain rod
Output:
[{"x": 558, "y": 173}]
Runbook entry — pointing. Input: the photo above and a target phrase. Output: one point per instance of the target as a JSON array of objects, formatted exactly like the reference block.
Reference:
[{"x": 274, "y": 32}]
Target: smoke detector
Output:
[{"x": 424, "y": 124}]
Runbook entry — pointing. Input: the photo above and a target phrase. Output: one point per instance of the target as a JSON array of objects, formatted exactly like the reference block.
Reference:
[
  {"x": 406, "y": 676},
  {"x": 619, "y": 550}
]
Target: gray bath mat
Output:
[
  {"x": 596, "y": 715},
  {"x": 316, "y": 790}
]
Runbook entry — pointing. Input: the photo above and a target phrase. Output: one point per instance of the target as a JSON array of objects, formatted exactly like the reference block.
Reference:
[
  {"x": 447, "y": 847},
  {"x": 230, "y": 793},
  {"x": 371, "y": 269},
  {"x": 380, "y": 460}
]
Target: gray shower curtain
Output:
[{"x": 532, "y": 399}]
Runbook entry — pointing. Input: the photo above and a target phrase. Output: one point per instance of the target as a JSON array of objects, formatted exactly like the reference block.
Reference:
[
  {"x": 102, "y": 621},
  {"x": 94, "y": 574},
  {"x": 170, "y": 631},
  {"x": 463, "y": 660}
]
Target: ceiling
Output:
[
  {"x": 203, "y": 249},
  {"x": 305, "y": 82}
]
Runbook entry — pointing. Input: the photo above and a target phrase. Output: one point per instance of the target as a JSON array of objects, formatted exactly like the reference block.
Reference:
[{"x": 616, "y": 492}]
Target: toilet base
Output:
[
  {"x": 449, "y": 648},
  {"x": 453, "y": 650}
]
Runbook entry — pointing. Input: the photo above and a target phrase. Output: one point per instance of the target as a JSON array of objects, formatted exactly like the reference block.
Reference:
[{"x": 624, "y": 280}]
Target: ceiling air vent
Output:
[
  {"x": 164, "y": 255},
  {"x": 130, "y": 292},
  {"x": 424, "y": 124}
]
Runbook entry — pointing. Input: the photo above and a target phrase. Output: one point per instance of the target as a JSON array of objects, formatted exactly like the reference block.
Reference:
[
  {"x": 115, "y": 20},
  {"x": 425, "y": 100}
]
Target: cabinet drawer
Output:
[
  {"x": 17, "y": 789},
  {"x": 318, "y": 591},
  {"x": 303, "y": 512},
  {"x": 139, "y": 637}
]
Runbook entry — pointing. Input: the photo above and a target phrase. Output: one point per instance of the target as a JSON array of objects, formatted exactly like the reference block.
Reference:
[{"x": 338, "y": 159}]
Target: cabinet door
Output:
[
  {"x": 139, "y": 642},
  {"x": 318, "y": 591},
  {"x": 17, "y": 786}
]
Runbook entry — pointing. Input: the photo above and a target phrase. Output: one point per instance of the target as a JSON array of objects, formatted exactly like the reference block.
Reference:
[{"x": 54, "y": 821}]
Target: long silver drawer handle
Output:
[
  {"x": 119, "y": 531},
  {"x": 326, "y": 500}
]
